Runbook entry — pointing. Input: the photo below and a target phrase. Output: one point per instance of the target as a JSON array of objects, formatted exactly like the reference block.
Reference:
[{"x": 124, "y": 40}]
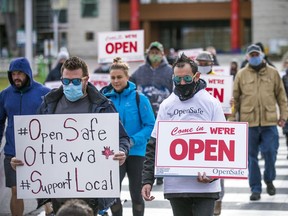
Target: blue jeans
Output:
[{"x": 267, "y": 139}]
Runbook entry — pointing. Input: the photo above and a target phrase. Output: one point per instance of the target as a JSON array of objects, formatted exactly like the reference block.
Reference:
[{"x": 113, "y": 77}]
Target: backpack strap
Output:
[
  {"x": 138, "y": 104},
  {"x": 137, "y": 99}
]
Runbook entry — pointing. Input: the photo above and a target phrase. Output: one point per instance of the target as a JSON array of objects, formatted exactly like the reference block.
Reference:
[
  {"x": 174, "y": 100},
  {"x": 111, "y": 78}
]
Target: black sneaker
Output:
[
  {"x": 255, "y": 196},
  {"x": 271, "y": 190}
]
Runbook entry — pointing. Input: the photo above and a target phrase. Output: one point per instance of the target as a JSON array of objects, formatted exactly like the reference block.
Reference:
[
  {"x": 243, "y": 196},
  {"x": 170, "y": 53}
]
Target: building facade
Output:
[{"x": 178, "y": 24}]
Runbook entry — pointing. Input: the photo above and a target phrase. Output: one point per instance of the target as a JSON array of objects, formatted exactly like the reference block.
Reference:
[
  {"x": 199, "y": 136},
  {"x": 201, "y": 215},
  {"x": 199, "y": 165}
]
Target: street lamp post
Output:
[
  {"x": 28, "y": 30},
  {"x": 56, "y": 6}
]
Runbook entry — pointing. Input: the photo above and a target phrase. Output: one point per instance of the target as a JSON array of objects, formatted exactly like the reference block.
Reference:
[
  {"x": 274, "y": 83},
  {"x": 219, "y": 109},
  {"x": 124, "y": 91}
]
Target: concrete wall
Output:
[
  {"x": 78, "y": 26},
  {"x": 270, "y": 23}
]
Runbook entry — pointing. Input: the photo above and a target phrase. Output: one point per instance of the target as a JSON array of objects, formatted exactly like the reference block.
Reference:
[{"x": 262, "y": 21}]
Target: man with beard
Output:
[
  {"x": 188, "y": 195},
  {"x": 22, "y": 97}
]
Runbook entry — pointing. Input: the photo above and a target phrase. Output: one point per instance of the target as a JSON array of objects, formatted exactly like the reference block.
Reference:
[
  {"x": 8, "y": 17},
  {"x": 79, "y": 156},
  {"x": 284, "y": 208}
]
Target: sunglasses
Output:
[
  {"x": 75, "y": 81},
  {"x": 187, "y": 79}
]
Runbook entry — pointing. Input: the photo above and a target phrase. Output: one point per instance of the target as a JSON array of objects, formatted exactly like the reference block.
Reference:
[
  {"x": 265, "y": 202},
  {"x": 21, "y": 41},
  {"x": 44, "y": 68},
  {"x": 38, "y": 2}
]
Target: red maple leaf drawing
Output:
[{"x": 107, "y": 152}]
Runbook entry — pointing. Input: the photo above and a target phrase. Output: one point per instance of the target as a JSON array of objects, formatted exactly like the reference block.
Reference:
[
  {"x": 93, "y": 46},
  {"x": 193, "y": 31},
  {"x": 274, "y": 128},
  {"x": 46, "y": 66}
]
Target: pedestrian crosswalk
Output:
[{"x": 236, "y": 200}]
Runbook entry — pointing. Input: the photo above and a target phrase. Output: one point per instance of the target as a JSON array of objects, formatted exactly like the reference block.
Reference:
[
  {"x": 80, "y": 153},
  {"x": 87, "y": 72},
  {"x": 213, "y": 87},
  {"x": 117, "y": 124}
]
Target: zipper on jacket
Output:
[{"x": 21, "y": 98}]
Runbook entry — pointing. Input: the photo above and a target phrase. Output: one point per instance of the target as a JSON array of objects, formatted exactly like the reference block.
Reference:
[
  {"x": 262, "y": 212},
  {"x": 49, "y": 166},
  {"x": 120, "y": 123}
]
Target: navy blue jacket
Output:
[{"x": 14, "y": 101}]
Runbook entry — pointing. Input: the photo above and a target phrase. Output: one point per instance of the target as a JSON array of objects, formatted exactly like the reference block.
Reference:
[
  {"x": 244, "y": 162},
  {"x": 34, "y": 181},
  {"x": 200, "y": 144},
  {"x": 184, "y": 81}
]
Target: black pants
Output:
[{"x": 133, "y": 166}]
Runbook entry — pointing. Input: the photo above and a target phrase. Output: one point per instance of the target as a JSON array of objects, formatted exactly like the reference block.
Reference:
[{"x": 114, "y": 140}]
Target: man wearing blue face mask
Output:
[
  {"x": 77, "y": 95},
  {"x": 257, "y": 91}
]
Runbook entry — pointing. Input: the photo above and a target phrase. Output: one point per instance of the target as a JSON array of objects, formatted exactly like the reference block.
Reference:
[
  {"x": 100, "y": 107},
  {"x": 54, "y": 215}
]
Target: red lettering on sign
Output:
[
  {"x": 173, "y": 146},
  {"x": 216, "y": 81},
  {"x": 212, "y": 149},
  {"x": 216, "y": 93},
  {"x": 125, "y": 47},
  {"x": 222, "y": 130}
]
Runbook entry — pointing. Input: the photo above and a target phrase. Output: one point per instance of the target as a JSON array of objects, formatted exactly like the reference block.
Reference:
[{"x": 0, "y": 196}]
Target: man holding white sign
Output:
[
  {"x": 192, "y": 195},
  {"x": 77, "y": 95}
]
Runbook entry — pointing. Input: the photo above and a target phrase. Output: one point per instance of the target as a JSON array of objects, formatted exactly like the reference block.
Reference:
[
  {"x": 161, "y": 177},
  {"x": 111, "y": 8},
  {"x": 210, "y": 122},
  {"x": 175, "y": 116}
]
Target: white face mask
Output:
[{"x": 204, "y": 69}]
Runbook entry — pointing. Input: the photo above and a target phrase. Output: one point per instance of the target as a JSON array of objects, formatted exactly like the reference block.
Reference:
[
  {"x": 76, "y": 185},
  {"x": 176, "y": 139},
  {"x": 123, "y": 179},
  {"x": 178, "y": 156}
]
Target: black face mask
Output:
[{"x": 187, "y": 91}]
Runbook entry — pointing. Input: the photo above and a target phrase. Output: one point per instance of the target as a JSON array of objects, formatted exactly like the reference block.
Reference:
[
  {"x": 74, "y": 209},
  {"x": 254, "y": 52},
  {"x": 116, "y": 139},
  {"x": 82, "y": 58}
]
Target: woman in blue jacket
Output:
[{"x": 137, "y": 116}]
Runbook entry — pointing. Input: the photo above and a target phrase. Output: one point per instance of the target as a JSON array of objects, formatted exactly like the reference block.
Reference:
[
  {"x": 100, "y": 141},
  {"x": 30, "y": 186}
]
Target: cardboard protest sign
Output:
[
  {"x": 99, "y": 80},
  {"x": 69, "y": 155},
  {"x": 129, "y": 45},
  {"x": 221, "y": 88},
  {"x": 185, "y": 148}
]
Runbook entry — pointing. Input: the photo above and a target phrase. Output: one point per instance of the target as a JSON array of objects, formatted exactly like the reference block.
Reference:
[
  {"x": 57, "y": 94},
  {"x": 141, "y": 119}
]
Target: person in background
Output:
[
  {"x": 205, "y": 62},
  {"x": 171, "y": 57},
  {"x": 154, "y": 79},
  {"x": 103, "y": 68},
  {"x": 233, "y": 68},
  {"x": 213, "y": 51},
  {"x": 265, "y": 58},
  {"x": 257, "y": 91},
  {"x": 55, "y": 73},
  {"x": 22, "y": 97},
  {"x": 75, "y": 207},
  {"x": 77, "y": 95},
  {"x": 285, "y": 82},
  {"x": 137, "y": 116},
  {"x": 193, "y": 195}
]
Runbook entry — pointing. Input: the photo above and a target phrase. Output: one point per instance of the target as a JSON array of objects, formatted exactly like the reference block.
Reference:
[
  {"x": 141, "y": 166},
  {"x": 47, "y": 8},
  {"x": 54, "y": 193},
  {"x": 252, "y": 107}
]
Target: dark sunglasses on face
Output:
[
  {"x": 187, "y": 79},
  {"x": 75, "y": 81}
]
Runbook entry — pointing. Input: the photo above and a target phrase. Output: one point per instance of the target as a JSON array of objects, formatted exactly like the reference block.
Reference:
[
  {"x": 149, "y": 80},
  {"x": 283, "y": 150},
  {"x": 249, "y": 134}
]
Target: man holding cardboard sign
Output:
[
  {"x": 75, "y": 96},
  {"x": 189, "y": 195}
]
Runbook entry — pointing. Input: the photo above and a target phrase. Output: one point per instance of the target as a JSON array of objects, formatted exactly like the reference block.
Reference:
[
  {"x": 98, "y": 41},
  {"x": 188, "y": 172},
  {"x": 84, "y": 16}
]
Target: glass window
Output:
[
  {"x": 89, "y": 36},
  {"x": 89, "y": 8},
  {"x": 63, "y": 16},
  {"x": 7, "y": 6}
]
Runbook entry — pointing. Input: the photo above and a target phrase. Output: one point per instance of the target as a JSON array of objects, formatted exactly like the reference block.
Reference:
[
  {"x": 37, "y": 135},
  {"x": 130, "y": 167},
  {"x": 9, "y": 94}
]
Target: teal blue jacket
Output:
[{"x": 138, "y": 121}]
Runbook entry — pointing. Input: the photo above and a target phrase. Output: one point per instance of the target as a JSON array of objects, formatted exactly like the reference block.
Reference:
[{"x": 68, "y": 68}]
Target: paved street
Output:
[{"x": 236, "y": 200}]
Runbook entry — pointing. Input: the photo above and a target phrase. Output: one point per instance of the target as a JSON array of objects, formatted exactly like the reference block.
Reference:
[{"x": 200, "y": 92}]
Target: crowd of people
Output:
[{"x": 154, "y": 90}]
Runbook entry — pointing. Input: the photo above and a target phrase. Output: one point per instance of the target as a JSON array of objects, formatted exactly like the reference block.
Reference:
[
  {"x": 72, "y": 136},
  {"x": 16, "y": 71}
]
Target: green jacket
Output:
[{"x": 256, "y": 96}]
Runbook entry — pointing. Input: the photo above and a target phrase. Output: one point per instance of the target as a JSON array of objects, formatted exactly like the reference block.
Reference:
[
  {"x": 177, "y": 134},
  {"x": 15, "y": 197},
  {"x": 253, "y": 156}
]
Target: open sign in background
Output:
[
  {"x": 129, "y": 45},
  {"x": 221, "y": 88},
  {"x": 185, "y": 148},
  {"x": 67, "y": 155}
]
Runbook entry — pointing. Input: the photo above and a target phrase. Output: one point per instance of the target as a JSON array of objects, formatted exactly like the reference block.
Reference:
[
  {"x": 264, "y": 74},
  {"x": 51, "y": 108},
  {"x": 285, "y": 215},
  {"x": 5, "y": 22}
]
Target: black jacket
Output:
[
  {"x": 148, "y": 169},
  {"x": 98, "y": 104}
]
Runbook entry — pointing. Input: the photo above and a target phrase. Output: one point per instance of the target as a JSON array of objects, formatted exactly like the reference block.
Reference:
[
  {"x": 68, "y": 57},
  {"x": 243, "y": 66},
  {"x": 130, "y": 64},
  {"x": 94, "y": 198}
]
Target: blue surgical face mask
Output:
[
  {"x": 256, "y": 60},
  {"x": 73, "y": 92}
]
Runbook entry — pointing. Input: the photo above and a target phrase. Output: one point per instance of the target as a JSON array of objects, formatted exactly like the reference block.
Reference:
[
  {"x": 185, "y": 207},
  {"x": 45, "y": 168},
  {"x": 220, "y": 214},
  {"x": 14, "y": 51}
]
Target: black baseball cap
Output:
[{"x": 253, "y": 48}]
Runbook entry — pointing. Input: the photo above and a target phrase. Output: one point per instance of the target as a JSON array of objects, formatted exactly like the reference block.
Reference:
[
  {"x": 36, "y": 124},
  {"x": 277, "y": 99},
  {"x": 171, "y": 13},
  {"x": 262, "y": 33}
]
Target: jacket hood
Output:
[
  {"x": 20, "y": 64},
  {"x": 108, "y": 91}
]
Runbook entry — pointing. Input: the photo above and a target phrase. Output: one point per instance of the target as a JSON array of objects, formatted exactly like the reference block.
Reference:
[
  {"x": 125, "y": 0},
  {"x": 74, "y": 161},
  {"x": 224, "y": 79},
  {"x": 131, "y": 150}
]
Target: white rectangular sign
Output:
[
  {"x": 129, "y": 45},
  {"x": 221, "y": 70},
  {"x": 69, "y": 155},
  {"x": 221, "y": 88},
  {"x": 185, "y": 148},
  {"x": 99, "y": 80}
]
